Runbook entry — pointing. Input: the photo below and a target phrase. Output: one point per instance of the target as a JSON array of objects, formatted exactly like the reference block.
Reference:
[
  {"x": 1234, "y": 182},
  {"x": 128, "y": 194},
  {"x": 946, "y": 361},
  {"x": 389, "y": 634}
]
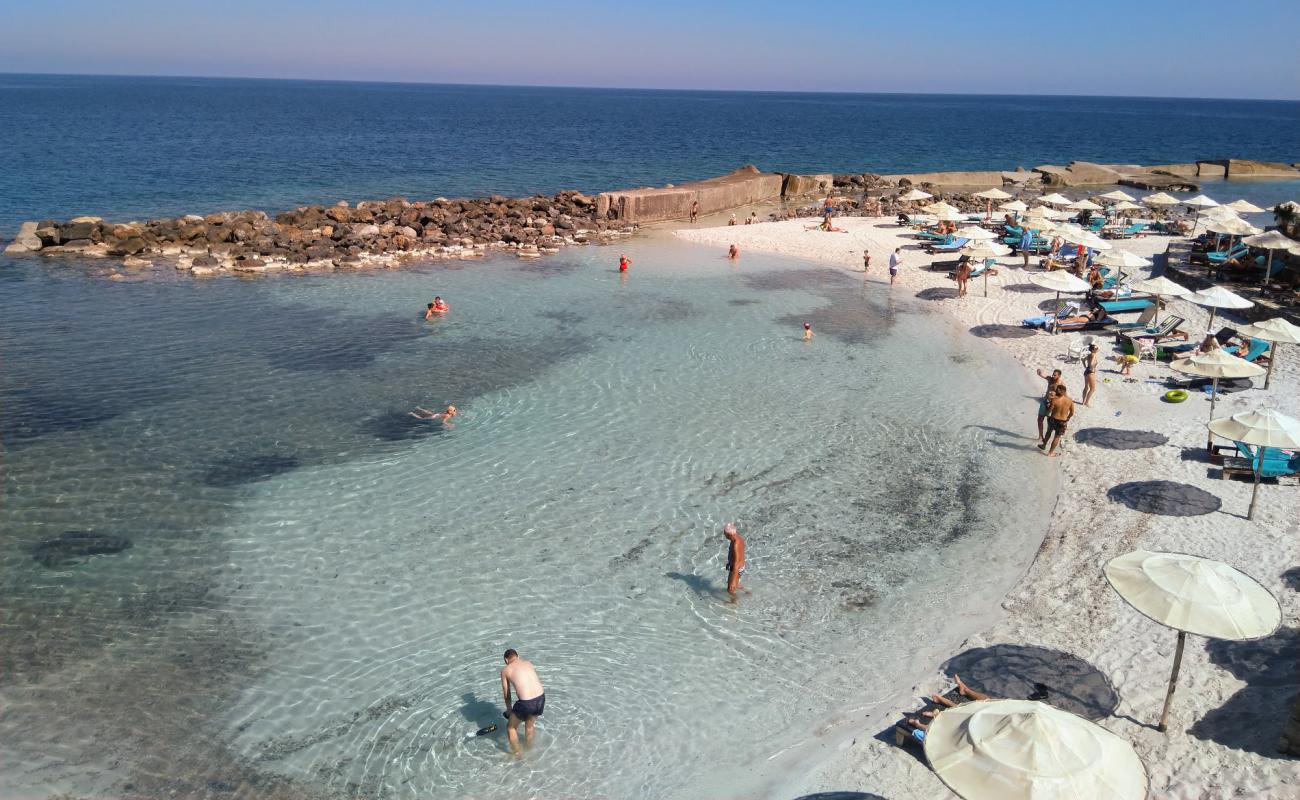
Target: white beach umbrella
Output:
[
  {"x": 1123, "y": 259},
  {"x": 1026, "y": 750},
  {"x": 1158, "y": 287},
  {"x": 1056, "y": 199},
  {"x": 1276, "y": 330},
  {"x": 1084, "y": 205},
  {"x": 1160, "y": 199},
  {"x": 994, "y": 194},
  {"x": 985, "y": 249},
  {"x": 1058, "y": 280},
  {"x": 1233, "y": 226},
  {"x": 940, "y": 207},
  {"x": 1270, "y": 241},
  {"x": 1200, "y": 201},
  {"x": 1117, "y": 196},
  {"x": 1076, "y": 235},
  {"x": 1127, "y": 205},
  {"x": 949, "y": 215},
  {"x": 975, "y": 233},
  {"x": 1192, "y": 595},
  {"x": 1014, "y": 205},
  {"x": 1244, "y": 206},
  {"x": 1263, "y": 427},
  {"x": 1216, "y": 364},
  {"x": 914, "y": 195},
  {"x": 1217, "y": 297}
]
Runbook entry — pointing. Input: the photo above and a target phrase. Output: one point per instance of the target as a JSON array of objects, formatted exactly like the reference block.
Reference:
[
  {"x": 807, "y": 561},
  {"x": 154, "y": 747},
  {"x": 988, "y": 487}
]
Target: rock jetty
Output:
[{"x": 335, "y": 237}]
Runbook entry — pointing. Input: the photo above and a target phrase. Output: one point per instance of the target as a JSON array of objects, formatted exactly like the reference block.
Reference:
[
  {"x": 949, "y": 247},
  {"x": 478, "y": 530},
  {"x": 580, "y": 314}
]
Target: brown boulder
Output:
[
  {"x": 71, "y": 231},
  {"x": 127, "y": 247}
]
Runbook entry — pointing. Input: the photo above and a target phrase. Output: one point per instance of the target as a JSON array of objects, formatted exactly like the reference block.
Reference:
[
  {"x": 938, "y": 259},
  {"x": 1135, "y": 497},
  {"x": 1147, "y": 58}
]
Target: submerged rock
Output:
[{"x": 76, "y": 545}]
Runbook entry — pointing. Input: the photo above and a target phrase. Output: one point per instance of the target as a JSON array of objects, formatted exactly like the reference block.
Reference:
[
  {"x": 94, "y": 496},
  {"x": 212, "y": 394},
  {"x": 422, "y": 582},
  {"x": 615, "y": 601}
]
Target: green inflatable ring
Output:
[{"x": 1175, "y": 396}]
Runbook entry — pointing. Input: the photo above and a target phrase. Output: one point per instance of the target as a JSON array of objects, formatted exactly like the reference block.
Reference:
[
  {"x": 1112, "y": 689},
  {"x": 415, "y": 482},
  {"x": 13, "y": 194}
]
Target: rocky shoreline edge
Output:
[{"x": 386, "y": 233}]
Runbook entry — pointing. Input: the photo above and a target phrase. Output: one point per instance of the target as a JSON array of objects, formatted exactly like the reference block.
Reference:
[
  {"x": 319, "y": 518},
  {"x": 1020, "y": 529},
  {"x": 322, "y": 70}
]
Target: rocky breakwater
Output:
[{"x": 371, "y": 233}]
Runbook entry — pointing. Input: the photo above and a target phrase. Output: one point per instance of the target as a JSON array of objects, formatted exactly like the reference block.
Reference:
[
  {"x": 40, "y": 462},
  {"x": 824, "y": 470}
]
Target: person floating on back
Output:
[
  {"x": 435, "y": 416},
  {"x": 735, "y": 558},
  {"x": 530, "y": 698}
]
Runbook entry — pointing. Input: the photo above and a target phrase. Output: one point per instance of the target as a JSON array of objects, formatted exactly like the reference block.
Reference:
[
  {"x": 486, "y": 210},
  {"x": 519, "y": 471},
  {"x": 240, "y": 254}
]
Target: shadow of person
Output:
[
  {"x": 1252, "y": 719},
  {"x": 700, "y": 585},
  {"x": 479, "y": 712}
]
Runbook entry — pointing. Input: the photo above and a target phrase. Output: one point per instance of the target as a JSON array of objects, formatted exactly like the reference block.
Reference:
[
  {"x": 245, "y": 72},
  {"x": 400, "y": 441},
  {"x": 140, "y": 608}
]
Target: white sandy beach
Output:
[{"x": 1233, "y": 698}]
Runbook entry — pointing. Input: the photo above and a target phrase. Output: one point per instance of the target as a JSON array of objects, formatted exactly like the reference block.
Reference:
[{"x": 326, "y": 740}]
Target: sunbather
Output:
[{"x": 919, "y": 728}]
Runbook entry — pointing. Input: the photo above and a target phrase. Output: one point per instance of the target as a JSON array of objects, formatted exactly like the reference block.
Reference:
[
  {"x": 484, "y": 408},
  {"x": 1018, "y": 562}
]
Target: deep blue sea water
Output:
[{"x": 133, "y": 147}]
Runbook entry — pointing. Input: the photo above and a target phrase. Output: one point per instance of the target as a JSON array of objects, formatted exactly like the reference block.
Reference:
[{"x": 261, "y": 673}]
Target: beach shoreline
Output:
[{"x": 1062, "y": 600}]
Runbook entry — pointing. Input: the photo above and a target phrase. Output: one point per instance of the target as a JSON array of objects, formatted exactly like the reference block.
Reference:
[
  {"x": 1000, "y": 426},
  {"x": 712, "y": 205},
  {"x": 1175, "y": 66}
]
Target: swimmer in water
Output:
[
  {"x": 733, "y": 252},
  {"x": 435, "y": 416},
  {"x": 438, "y": 306},
  {"x": 807, "y": 332},
  {"x": 623, "y": 263}
]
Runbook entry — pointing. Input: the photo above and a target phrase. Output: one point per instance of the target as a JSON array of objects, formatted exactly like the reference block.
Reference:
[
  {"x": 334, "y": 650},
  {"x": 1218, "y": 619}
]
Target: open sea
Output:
[{"x": 233, "y": 566}]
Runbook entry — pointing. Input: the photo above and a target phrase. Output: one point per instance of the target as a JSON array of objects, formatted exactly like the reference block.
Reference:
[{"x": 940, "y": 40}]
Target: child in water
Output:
[
  {"x": 623, "y": 263},
  {"x": 807, "y": 332}
]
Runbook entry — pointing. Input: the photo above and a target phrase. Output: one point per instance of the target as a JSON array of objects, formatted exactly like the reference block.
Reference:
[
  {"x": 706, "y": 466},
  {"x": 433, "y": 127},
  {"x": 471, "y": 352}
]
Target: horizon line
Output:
[{"x": 353, "y": 81}]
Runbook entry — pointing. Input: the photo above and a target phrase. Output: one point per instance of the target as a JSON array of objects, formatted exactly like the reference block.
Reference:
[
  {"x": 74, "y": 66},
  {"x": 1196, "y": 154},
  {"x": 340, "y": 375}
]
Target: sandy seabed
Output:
[{"x": 1233, "y": 697}]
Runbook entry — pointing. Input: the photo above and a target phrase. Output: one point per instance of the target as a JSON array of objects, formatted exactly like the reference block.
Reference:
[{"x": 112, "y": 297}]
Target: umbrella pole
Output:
[
  {"x": 1209, "y": 436},
  {"x": 1254, "y": 493},
  {"x": 1173, "y": 682},
  {"x": 1268, "y": 269},
  {"x": 986, "y": 294},
  {"x": 1056, "y": 315},
  {"x": 1213, "y": 310},
  {"x": 1272, "y": 359}
]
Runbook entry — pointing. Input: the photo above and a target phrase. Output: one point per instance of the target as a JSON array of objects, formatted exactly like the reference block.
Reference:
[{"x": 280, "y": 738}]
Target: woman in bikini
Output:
[{"x": 1090, "y": 374}]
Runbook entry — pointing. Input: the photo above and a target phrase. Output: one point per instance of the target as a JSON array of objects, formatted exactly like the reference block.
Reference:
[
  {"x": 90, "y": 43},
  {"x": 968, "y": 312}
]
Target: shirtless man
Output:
[
  {"x": 1052, "y": 380},
  {"x": 530, "y": 698},
  {"x": 1059, "y": 411},
  {"x": 435, "y": 416},
  {"x": 695, "y": 210},
  {"x": 733, "y": 252},
  {"x": 735, "y": 558}
]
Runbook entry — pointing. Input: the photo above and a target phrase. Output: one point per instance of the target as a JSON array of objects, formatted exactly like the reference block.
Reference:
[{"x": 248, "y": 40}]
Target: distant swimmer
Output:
[
  {"x": 732, "y": 221},
  {"x": 807, "y": 332},
  {"x": 438, "y": 306},
  {"x": 435, "y": 416},
  {"x": 623, "y": 263},
  {"x": 735, "y": 558},
  {"x": 733, "y": 252},
  {"x": 530, "y": 697}
]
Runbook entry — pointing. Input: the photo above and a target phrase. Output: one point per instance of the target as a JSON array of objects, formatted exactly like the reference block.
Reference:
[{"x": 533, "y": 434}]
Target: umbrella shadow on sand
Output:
[
  {"x": 1001, "y": 331},
  {"x": 937, "y": 293},
  {"x": 1252, "y": 719},
  {"x": 1025, "y": 288},
  {"x": 1166, "y": 498},
  {"x": 1023, "y": 671},
  {"x": 1119, "y": 439}
]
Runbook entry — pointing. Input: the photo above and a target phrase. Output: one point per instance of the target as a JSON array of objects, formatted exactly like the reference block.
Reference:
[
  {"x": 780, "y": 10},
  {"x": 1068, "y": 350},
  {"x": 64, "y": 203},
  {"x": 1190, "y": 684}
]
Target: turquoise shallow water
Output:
[{"x": 319, "y": 587}]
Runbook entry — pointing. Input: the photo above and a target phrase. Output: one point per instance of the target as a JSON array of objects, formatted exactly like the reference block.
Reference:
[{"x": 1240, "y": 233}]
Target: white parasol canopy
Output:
[
  {"x": 1217, "y": 297},
  {"x": 1123, "y": 259},
  {"x": 1276, "y": 330},
  {"x": 994, "y": 194},
  {"x": 1059, "y": 280},
  {"x": 940, "y": 207},
  {"x": 1160, "y": 199},
  {"x": 1026, "y": 750},
  {"x": 975, "y": 233},
  {"x": 1200, "y": 201},
  {"x": 1161, "y": 286},
  {"x": 987, "y": 249},
  {"x": 1244, "y": 206},
  {"x": 1263, "y": 427},
  {"x": 1216, "y": 364},
  {"x": 914, "y": 195},
  {"x": 1192, "y": 595},
  {"x": 1233, "y": 226},
  {"x": 1076, "y": 235},
  {"x": 1056, "y": 199},
  {"x": 949, "y": 215},
  {"x": 1117, "y": 196},
  {"x": 1014, "y": 205},
  {"x": 1084, "y": 205},
  {"x": 1272, "y": 240},
  {"x": 1127, "y": 205}
]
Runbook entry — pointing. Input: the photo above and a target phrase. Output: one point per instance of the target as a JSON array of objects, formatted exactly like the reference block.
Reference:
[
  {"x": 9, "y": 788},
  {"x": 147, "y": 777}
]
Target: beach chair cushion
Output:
[
  {"x": 1124, "y": 306},
  {"x": 948, "y": 247}
]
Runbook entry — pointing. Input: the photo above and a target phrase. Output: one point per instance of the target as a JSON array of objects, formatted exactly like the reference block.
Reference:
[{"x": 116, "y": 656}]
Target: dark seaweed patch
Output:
[
  {"x": 344, "y": 343},
  {"x": 779, "y": 280},
  {"x": 73, "y": 546},
  {"x": 937, "y": 293},
  {"x": 236, "y": 470}
]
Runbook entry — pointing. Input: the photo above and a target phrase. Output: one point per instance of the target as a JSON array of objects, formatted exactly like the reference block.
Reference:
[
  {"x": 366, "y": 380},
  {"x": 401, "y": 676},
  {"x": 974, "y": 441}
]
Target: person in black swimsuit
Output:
[{"x": 1090, "y": 373}]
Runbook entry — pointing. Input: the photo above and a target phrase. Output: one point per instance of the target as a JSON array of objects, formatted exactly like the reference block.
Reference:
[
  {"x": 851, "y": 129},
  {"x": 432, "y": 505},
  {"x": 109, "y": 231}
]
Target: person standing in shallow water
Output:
[
  {"x": 623, "y": 263},
  {"x": 735, "y": 558},
  {"x": 530, "y": 698},
  {"x": 895, "y": 260}
]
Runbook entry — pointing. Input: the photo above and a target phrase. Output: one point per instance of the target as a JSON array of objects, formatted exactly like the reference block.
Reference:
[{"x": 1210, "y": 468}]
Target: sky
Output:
[{"x": 1162, "y": 48}]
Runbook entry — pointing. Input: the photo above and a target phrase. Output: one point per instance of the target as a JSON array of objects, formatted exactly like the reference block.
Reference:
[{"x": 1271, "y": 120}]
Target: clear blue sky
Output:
[{"x": 1225, "y": 48}]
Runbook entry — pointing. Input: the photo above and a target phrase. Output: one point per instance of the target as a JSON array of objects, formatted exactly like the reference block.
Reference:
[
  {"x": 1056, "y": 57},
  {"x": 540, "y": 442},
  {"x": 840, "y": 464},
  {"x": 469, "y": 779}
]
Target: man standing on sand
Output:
[
  {"x": 735, "y": 558},
  {"x": 530, "y": 698},
  {"x": 1052, "y": 379},
  {"x": 1026, "y": 244},
  {"x": 695, "y": 210},
  {"x": 895, "y": 259},
  {"x": 1060, "y": 409}
]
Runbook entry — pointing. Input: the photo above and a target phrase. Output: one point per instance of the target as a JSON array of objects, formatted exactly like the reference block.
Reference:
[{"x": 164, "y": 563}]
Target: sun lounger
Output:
[
  {"x": 1142, "y": 323},
  {"x": 1238, "y": 251},
  {"x": 1127, "y": 233},
  {"x": 1041, "y": 321},
  {"x": 1090, "y": 325},
  {"x": 1164, "y": 328},
  {"x": 1258, "y": 347},
  {"x": 1275, "y": 463},
  {"x": 1125, "y": 306},
  {"x": 948, "y": 247},
  {"x": 934, "y": 237}
]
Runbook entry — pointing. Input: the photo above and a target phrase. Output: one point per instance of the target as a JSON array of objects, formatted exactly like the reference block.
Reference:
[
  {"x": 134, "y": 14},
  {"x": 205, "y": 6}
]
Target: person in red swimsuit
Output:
[{"x": 623, "y": 263}]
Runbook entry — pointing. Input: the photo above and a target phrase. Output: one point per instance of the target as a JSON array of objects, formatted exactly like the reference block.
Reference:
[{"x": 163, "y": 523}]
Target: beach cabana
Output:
[
  {"x": 1192, "y": 595},
  {"x": 1217, "y": 297},
  {"x": 1159, "y": 287},
  {"x": 1276, "y": 330},
  {"x": 1027, "y": 750},
  {"x": 1264, "y": 428}
]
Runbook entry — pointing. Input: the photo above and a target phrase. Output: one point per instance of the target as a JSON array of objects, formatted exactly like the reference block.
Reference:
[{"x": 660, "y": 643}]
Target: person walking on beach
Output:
[
  {"x": 1060, "y": 409},
  {"x": 1026, "y": 244},
  {"x": 530, "y": 698},
  {"x": 1052, "y": 380},
  {"x": 1090, "y": 362},
  {"x": 735, "y": 558},
  {"x": 895, "y": 259},
  {"x": 866, "y": 259},
  {"x": 963, "y": 275},
  {"x": 695, "y": 210}
]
